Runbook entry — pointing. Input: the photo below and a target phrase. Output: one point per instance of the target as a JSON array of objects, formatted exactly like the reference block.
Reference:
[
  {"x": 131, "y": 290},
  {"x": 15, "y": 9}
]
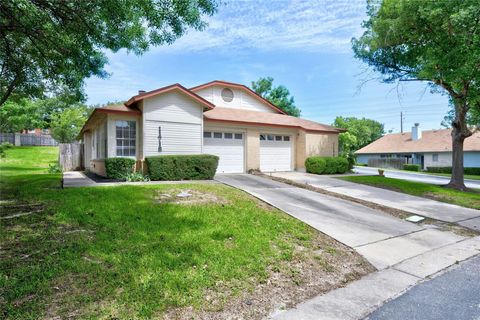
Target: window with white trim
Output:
[
  {"x": 126, "y": 135},
  {"x": 435, "y": 157}
]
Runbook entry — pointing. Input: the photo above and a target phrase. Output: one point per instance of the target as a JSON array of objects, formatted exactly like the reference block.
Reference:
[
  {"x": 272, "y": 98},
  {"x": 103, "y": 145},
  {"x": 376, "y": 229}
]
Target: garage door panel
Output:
[
  {"x": 276, "y": 155},
  {"x": 230, "y": 153}
]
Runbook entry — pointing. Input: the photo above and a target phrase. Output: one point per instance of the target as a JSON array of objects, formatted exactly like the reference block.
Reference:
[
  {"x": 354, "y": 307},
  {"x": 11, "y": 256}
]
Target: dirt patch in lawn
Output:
[
  {"x": 311, "y": 271},
  {"x": 188, "y": 197}
]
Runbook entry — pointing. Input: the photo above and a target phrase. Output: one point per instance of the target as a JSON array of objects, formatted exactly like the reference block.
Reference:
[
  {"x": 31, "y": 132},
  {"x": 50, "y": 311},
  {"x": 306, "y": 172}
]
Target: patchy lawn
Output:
[
  {"x": 137, "y": 252},
  {"x": 469, "y": 199}
]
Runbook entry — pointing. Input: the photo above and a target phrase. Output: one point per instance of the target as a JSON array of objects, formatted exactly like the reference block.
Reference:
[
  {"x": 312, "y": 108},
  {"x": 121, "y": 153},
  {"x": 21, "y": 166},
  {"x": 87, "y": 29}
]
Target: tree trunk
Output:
[
  {"x": 460, "y": 132},
  {"x": 457, "y": 179}
]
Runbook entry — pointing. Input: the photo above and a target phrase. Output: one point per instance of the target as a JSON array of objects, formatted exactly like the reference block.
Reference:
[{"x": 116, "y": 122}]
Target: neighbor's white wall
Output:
[
  {"x": 444, "y": 159},
  {"x": 241, "y": 99},
  {"x": 181, "y": 119}
]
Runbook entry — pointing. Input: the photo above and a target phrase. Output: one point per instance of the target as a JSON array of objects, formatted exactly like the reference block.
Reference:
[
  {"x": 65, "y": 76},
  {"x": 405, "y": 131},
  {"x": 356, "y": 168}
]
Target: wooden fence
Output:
[
  {"x": 28, "y": 139},
  {"x": 70, "y": 156},
  {"x": 388, "y": 163}
]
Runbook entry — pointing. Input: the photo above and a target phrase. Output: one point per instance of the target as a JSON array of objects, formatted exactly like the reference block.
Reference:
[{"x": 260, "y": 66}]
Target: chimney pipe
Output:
[
  {"x": 140, "y": 92},
  {"x": 416, "y": 132}
]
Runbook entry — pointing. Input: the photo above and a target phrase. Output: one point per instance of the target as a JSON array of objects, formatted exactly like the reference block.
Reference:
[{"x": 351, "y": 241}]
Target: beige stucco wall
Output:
[
  {"x": 98, "y": 166},
  {"x": 315, "y": 144}
]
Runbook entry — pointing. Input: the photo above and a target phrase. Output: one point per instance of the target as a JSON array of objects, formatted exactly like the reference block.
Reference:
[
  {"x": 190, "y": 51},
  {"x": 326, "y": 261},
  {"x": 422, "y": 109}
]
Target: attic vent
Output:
[{"x": 227, "y": 95}]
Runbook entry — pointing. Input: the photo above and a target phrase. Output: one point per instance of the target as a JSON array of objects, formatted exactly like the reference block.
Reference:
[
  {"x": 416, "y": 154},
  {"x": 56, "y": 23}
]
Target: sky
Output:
[{"x": 304, "y": 45}]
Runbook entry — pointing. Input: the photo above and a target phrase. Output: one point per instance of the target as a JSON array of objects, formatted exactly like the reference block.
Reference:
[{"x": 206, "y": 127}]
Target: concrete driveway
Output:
[
  {"x": 418, "y": 177},
  {"x": 381, "y": 238},
  {"x": 466, "y": 217}
]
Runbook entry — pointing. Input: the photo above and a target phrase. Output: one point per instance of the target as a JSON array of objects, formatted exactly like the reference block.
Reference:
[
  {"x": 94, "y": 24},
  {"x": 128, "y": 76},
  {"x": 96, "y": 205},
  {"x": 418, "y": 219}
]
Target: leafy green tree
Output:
[
  {"x": 360, "y": 132},
  {"x": 51, "y": 46},
  {"x": 16, "y": 116},
  {"x": 66, "y": 124},
  {"x": 433, "y": 41},
  {"x": 279, "y": 96}
]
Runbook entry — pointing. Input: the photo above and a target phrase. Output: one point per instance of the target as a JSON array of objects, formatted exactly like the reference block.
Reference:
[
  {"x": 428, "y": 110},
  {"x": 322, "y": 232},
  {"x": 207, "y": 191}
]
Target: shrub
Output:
[
  {"x": 411, "y": 167},
  {"x": 326, "y": 165},
  {"x": 315, "y": 165},
  {"x": 136, "y": 177},
  {"x": 119, "y": 168},
  {"x": 472, "y": 170},
  {"x": 182, "y": 167},
  {"x": 467, "y": 170},
  {"x": 4, "y": 146}
]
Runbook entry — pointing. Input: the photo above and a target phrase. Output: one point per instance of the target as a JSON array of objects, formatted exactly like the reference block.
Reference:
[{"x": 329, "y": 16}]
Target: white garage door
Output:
[
  {"x": 229, "y": 147},
  {"x": 275, "y": 153},
  {"x": 162, "y": 137}
]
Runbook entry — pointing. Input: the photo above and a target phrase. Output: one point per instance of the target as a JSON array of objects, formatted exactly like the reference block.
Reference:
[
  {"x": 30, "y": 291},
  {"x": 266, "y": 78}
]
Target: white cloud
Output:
[{"x": 325, "y": 25}]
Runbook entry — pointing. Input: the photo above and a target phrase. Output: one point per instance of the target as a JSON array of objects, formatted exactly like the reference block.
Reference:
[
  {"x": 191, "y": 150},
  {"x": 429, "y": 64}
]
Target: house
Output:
[
  {"x": 432, "y": 148},
  {"x": 221, "y": 118}
]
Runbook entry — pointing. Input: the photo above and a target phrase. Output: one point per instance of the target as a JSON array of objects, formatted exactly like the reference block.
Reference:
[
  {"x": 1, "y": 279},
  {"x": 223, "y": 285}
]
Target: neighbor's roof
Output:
[
  {"x": 431, "y": 141},
  {"x": 237, "y": 86},
  {"x": 169, "y": 88},
  {"x": 265, "y": 118}
]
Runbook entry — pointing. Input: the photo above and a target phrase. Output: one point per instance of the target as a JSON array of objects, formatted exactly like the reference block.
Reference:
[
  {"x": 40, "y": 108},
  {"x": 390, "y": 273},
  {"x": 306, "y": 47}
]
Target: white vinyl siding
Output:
[
  {"x": 176, "y": 138},
  {"x": 275, "y": 152},
  {"x": 229, "y": 147},
  {"x": 180, "y": 120},
  {"x": 241, "y": 99}
]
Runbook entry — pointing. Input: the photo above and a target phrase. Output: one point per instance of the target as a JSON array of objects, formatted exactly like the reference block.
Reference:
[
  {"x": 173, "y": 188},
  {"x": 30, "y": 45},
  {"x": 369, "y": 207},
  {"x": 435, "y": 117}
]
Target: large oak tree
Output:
[
  {"x": 52, "y": 46},
  {"x": 433, "y": 41}
]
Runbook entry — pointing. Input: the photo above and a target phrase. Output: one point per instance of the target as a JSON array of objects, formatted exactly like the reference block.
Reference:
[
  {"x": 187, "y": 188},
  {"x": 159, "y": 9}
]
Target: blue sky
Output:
[{"x": 304, "y": 45}]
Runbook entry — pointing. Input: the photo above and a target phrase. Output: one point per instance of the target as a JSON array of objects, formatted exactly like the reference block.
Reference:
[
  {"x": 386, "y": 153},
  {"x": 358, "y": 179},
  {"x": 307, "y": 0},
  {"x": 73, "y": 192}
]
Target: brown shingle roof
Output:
[
  {"x": 265, "y": 118},
  {"x": 431, "y": 141}
]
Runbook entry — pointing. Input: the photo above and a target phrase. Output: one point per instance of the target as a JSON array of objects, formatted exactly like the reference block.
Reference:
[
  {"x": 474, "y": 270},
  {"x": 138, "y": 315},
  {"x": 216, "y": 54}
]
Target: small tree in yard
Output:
[
  {"x": 433, "y": 41},
  {"x": 66, "y": 125}
]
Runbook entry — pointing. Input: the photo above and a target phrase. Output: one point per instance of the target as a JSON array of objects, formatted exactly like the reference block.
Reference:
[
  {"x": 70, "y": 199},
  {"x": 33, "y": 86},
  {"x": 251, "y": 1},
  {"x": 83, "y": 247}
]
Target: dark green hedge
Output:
[
  {"x": 315, "y": 165},
  {"x": 182, "y": 167},
  {"x": 326, "y": 165},
  {"x": 411, "y": 167},
  {"x": 119, "y": 168},
  {"x": 467, "y": 170}
]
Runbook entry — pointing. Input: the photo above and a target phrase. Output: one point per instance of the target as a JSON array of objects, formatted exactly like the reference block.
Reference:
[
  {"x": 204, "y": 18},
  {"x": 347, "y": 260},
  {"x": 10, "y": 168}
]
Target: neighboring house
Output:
[
  {"x": 220, "y": 118},
  {"x": 36, "y": 131},
  {"x": 432, "y": 148}
]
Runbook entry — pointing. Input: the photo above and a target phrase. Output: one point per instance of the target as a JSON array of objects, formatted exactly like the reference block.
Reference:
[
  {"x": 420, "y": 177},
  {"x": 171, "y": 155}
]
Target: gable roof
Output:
[
  {"x": 268, "y": 119},
  {"x": 238, "y": 86},
  {"x": 431, "y": 141},
  {"x": 118, "y": 109},
  {"x": 169, "y": 88}
]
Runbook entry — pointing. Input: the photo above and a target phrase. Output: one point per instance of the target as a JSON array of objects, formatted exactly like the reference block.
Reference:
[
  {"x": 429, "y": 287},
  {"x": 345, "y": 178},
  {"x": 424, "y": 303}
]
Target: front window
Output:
[
  {"x": 126, "y": 135},
  {"x": 435, "y": 157}
]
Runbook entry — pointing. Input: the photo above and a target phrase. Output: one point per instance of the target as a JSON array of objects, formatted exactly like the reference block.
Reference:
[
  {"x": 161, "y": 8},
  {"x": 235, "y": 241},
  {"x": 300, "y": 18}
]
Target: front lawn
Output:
[
  {"x": 469, "y": 199},
  {"x": 130, "y": 252}
]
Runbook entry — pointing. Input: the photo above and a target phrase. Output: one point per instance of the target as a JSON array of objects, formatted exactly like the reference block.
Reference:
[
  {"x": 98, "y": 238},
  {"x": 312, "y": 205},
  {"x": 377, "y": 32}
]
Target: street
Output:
[{"x": 452, "y": 295}]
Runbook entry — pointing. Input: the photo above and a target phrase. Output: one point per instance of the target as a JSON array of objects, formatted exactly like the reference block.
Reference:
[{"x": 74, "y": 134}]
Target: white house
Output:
[
  {"x": 220, "y": 118},
  {"x": 431, "y": 148}
]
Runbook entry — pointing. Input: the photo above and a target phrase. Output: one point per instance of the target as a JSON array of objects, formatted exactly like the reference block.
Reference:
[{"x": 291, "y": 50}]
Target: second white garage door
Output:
[
  {"x": 275, "y": 153},
  {"x": 229, "y": 147}
]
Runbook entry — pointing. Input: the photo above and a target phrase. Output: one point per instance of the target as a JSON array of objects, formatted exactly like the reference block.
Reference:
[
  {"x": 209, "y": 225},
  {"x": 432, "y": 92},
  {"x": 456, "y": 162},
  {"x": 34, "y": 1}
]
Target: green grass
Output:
[
  {"x": 469, "y": 199},
  {"x": 114, "y": 252},
  {"x": 466, "y": 176}
]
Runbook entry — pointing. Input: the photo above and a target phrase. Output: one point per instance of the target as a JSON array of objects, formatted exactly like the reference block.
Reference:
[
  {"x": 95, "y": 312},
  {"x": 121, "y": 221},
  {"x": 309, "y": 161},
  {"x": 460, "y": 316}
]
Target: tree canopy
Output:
[
  {"x": 279, "y": 95},
  {"x": 433, "y": 41},
  {"x": 66, "y": 124},
  {"x": 51, "y": 46},
  {"x": 360, "y": 132}
]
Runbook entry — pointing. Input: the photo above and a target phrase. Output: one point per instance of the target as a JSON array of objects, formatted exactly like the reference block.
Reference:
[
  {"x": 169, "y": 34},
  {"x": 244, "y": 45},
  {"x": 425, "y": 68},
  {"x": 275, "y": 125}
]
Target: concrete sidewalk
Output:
[
  {"x": 76, "y": 179},
  {"x": 404, "y": 253},
  {"x": 466, "y": 217}
]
